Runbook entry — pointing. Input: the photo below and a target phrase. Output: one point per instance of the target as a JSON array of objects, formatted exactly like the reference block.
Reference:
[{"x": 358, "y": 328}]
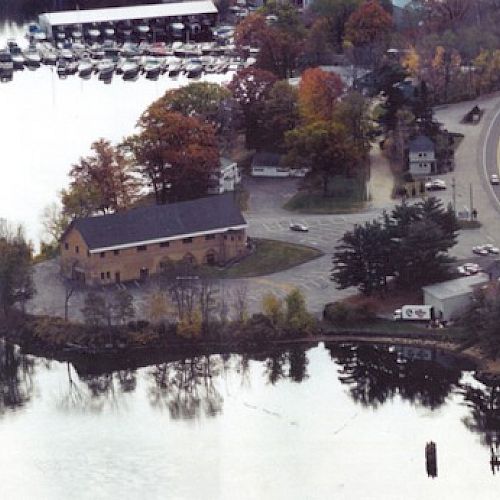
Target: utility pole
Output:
[
  {"x": 471, "y": 200},
  {"x": 454, "y": 194}
]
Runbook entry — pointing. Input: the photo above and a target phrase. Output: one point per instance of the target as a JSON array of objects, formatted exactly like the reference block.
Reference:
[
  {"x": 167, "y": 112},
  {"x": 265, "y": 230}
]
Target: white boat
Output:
[
  {"x": 32, "y": 57},
  {"x": 6, "y": 64},
  {"x": 106, "y": 69},
  {"x": 174, "y": 67},
  {"x": 62, "y": 68},
  {"x": 93, "y": 32},
  {"x": 49, "y": 54},
  {"x": 16, "y": 54},
  {"x": 152, "y": 67},
  {"x": 194, "y": 68},
  {"x": 67, "y": 54},
  {"x": 143, "y": 29},
  {"x": 85, "y": 67},
  {"x": 130, "y": 69},
  {"x": 76, "y": 34}
]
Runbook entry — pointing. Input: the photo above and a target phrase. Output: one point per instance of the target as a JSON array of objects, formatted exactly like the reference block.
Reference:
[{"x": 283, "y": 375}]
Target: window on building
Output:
[
  {"x": 108, "y": 275},
  {"x": 225, "y": 236},
  {"x": 210, "y": 236},
  {"x": 102, "y": 255},
  {"x": 187, "y": 240},
  {"x": 142, "y": 248},
  {"x": 77, "y": 249},
  {"x": 232, "y": 238},
  {"x": 102, "y": 276},
  {"x": 116, "y": 252},
  {"x": 164, "y": 244},
  {"x": 66, "y": 246}
]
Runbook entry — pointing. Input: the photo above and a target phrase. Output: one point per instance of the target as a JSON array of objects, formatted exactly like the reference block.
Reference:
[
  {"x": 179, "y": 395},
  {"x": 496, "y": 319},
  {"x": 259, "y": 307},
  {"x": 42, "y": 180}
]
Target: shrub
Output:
[{"x": 342, "y": 313}]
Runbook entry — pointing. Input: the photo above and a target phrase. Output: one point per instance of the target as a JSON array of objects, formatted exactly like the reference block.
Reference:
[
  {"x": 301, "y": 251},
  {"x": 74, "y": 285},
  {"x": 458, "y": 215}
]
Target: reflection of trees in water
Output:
[
  {"x": 95, "y": 392},
  {"x": 16, "y": 377},
  {"x": 186, "y": 387},
  {"x": 290, "y": 364},
  {"x": 376, "y": 373},
  {"x": 484, "y": 417}
]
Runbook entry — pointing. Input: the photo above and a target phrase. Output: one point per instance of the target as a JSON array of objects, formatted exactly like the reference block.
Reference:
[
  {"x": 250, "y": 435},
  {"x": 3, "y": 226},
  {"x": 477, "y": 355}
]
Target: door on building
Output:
[
  {"x": 117, "y": 277},
  {"x": 143, "y": 273}
]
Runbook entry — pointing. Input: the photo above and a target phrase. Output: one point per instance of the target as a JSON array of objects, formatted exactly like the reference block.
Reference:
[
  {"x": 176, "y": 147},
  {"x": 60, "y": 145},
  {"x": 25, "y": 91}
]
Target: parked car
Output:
[
  {"x": 494, "y": 179},
  {"x": 491, "y": 248},
  {"x": 480, "y": 250},
  {"x": 468, "y": 269},
  {"x": 435, "y": 185},
  {"x": 299, "y": 227}
]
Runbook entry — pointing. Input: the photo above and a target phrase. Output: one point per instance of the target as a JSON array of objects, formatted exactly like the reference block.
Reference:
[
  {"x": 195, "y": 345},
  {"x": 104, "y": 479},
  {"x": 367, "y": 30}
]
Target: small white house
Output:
[
  {"x": 450, "y": 298},
  {"x": 268, "y": 165},
  {"x": 421, "y": 156},
  {"x": 226, "y": 178}
]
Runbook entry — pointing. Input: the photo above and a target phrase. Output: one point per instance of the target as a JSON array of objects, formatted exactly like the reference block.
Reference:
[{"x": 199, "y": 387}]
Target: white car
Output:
[
  {"x": 494, "y": 179},
  {"x": 468, "y": 269},
  {"x": 491, "y": 249},
  {"x": 435, "y": 185},
  {"x": 480, "y": 250},
  {"x": 299, "y": 227}
]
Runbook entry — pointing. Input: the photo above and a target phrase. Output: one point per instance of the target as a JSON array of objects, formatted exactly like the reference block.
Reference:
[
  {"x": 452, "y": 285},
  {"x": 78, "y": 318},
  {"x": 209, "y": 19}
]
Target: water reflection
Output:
[
  {"x": 186, "y": 387},
  {"x": 375, "y": 374},
  {"x": 16, "y": 377}
]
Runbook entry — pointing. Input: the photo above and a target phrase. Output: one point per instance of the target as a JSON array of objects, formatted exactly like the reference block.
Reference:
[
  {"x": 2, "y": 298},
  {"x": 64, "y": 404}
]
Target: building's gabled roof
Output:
[
  {"x": 421, "y": 143},
  {"x": 114, "y": 14},
  {"x": 265, "y": 159},
  {"x": 456, "y": 287},
  {"x": 157, "y": 223}
]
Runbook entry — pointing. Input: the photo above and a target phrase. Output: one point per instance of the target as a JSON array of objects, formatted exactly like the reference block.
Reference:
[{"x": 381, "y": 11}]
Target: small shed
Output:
[
  {"x": 265, "y": 164},
  {"x": 450, "y": 298}
]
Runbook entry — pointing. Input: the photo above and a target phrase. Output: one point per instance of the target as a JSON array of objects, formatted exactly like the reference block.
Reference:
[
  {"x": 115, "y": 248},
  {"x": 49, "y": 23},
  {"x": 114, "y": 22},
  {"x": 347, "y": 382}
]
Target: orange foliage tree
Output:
[{"x": 318, "y": 92}]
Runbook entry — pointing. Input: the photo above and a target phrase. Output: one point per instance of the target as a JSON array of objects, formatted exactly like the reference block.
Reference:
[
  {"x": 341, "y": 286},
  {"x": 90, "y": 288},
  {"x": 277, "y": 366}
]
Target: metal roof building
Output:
[
  {"x": 49, "y": 20},
  {"x": 450, "y": 298}
]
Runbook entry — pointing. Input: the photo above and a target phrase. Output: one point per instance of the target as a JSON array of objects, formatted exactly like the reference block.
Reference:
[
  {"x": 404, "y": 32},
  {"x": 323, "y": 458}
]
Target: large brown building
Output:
[{"x": 133, "y": 245}]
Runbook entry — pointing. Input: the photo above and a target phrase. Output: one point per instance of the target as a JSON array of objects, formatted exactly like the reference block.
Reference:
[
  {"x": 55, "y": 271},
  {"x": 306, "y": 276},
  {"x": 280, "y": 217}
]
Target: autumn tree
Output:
[
  {"x": 102, "y": 181},
  {"x": 368, "y": 30},
  {"x": 174, "y": 153},
  {"x": 251, "y": 88},
  {"x": 297, "y": 318},
  {"x": 318, "y": 94},
  {"x": 209, "y": 102},
  {"x": 325, "y": 149},
  {"x": 279, "y": 42}
]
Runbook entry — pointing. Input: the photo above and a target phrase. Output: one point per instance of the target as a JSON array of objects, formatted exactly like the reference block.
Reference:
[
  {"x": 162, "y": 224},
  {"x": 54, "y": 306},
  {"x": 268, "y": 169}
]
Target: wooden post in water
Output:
[{"x": 431, "y": 459}]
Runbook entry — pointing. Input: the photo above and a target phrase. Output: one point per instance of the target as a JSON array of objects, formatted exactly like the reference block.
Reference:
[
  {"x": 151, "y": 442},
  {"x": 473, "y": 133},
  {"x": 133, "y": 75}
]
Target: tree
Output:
[
  {"x": 273, "y": 308},
  {"x": 209, "y": 102},
  {"x": 298, "y": 319},
  {"x": 123, "y": 306},
  {"x": 251, "y": 88},
  {"x": 325, "y": 149},
  {"x": 364, "y": 258},
  {"x": 336, "y": 13},
  {"x": 175, "y": 153},
  {"x": 16, "y": 274},
  {"x": 103, "y": 181},
  {"x": 240, "y": 302},
  {"x": 54, "y": 222},
  {"x": 279, "y": 115},
  {"x": 368, "y": 28},
  {"x": 94, "y": 310},
  {"x": 318, "y": 94}
]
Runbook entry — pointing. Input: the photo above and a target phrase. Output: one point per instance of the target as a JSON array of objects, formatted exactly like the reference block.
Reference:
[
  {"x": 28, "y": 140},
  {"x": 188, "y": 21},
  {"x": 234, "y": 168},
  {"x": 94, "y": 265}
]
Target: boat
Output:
[
  {"x": 16, "y": 54},
  {"x": 35, "y": 33},
  {"x": 194, "y": 68},
  {"x": 32, "y": 57},
  {"x": 62, "y": 68},
  {"x": 143, "y": 29},
  {"x": 67, "y": 54},
  {"x": 76, "y": 34},
  {"x": 207, "y": 48},
  {"x": 130, "y": 69},
  {"x": 93, "y": 32},
  {"x": 177, "y": 30},
  {"x": 85, "y": 67},
  {"x": 49, "y": 54},
  {"x": 106, "y": 69},
  {"x": 6, "y": 65},
  {"x": 108, "y": 30},
  {"x": 158, "y": 49},
  {"x": 174, "y": 67},
  {"x": 152, "y": 67},
  {"x": 59, "y": 35},
  {"x": 72, "y": 68}
]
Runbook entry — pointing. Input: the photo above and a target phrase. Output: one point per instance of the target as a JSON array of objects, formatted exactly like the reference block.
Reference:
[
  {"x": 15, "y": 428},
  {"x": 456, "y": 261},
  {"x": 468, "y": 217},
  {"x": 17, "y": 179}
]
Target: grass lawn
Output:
[
  {"x": 315, "y": 203},
  {"x": 270, "y": 256}
]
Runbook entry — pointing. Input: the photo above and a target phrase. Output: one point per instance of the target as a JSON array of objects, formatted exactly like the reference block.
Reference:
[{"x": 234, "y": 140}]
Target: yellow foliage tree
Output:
[{"x": 273, "y": 309}]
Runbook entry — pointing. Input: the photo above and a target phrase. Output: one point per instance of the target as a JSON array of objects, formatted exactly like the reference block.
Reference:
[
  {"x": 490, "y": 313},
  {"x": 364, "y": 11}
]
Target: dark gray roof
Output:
[
  {"x": 155, "y": 222},
  {"x": 421, "y": 143},
  {"x": 265, "y": 159}
]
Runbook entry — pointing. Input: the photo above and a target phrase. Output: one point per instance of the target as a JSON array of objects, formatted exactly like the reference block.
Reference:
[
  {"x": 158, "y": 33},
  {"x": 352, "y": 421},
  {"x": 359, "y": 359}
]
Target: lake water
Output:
[
  {"x": 47, "y": 124},
  {"x": 335, "y": 421}
]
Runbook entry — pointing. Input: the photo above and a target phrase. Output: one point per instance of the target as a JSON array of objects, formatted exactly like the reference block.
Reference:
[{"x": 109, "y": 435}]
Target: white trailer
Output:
[{"x": 414, "y": 313}]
